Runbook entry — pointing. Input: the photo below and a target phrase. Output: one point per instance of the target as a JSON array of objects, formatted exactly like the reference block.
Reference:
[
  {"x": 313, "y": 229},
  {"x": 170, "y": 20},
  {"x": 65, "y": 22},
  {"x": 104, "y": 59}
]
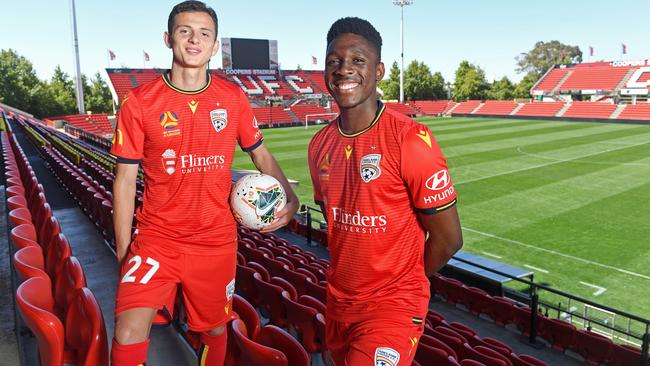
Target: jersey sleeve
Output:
[
  {"x": 315, "y": 171},
  {"x": 128, "y": 139},
  {"x": 249, "y": 136},
  {"x": 425, "y": 172}
]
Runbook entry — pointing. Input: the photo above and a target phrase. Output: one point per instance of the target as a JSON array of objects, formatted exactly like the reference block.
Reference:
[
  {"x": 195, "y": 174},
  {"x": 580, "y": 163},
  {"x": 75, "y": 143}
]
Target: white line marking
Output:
[
  {"x": 599, "y": 290},
  {"x": 540, "y": 156},
  {"x": 492, "y": 255},
  {"x": 645, "y": 277},
  {"x": 546, "y": 164},
  {"x": 535, "y": 268}
]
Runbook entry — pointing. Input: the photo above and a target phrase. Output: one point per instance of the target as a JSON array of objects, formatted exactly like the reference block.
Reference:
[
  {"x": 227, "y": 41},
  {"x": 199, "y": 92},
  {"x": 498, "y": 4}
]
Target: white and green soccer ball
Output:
[{"x": 255, "y": 199}]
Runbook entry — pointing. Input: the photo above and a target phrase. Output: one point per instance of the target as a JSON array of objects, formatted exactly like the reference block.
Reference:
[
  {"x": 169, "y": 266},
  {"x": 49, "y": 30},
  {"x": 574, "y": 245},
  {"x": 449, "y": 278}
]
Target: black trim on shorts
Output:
[{"x": 253, "y": 147}]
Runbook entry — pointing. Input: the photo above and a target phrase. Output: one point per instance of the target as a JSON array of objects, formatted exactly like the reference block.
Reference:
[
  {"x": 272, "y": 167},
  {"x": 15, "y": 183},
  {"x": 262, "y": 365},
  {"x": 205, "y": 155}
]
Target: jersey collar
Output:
[
  {"x": 170, "y": 85},
  {"x": 380, "y": 111}
]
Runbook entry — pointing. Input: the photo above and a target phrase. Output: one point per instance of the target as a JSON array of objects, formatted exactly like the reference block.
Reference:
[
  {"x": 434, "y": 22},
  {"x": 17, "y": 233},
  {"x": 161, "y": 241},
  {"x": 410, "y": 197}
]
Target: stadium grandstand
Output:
[{"x": 58, "y": 179}]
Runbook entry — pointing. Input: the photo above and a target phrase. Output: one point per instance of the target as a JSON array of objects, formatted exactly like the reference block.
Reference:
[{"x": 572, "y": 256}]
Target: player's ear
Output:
[
  {"x": 167, "y": 39},
  {"x": 215, "y": 47},
  {"x": 380, "y": 70}
]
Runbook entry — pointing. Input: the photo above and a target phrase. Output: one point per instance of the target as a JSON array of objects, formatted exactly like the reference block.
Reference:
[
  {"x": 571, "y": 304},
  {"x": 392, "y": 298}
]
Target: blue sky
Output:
[{"x": 439, "y": 32}]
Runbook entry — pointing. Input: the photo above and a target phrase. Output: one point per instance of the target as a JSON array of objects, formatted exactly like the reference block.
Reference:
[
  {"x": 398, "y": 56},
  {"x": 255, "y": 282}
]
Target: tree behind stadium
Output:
[{"x": 544, "y": 55}]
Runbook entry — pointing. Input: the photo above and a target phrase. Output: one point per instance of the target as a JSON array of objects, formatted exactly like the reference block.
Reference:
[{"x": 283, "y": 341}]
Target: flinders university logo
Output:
[
  {"x": 219, "y": 118},
  {"x": 169, "y": 122},
  {"x": 369, "y": 167},
  {"x": 169, "y": 161}
]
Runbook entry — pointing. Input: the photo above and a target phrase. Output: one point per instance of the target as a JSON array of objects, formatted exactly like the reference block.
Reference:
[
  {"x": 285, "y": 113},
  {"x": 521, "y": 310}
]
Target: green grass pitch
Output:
[{"x": 567, "y": 200}]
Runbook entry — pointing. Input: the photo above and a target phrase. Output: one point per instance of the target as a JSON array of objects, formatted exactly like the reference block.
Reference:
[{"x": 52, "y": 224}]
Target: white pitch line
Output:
[
  {"x": 492, "y": 255},
  {"x": 535, "y": 268},
  {"x": 546, "y": 164},
  {"x": 599, "y": 290},
  {"x": 645, "y": 277}
]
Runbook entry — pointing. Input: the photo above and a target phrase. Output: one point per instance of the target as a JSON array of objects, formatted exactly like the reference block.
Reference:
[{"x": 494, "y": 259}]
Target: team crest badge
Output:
[
  {"x": 385, "y": 356},
  {"x": 169, "y": 161},
  {"x": 219, "y": 118},
  {"x": 369, "y": 167}
]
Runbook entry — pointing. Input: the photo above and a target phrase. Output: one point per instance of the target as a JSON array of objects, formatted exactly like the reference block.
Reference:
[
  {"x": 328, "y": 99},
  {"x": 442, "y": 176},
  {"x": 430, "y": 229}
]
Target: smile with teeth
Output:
[{"x": 347, "y": 86}]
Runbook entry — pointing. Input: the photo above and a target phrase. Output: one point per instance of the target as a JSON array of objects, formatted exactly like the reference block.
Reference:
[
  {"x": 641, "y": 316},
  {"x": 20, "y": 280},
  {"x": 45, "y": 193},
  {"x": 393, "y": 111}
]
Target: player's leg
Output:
[
  {"x": 131, "y": 341},
  {"x": 208, "y": 287},
  {"x": 386, "y": 342},
  {"x": 148, "y": 278}
]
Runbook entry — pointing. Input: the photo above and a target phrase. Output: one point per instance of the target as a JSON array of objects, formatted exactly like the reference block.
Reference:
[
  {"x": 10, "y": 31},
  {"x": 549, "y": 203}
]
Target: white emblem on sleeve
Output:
[{"x": 438, "y": 181}]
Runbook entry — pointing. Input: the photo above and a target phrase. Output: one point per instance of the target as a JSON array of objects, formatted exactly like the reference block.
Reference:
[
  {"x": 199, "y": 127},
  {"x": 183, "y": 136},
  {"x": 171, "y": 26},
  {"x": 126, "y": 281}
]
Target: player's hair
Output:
[
  {"x": 358, "y": 26},
  {"x": 192, "y": 6}
]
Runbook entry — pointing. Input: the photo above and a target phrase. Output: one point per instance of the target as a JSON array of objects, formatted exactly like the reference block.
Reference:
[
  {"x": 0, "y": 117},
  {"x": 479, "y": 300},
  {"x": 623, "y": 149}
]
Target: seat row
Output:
[
  {"x": 560, "y": 335},
  {"x": 51, "y": 293}
]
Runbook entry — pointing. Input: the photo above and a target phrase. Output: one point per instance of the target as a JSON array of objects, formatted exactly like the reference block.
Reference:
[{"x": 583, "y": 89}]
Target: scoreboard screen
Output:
[{"x": 254, "y": 54}]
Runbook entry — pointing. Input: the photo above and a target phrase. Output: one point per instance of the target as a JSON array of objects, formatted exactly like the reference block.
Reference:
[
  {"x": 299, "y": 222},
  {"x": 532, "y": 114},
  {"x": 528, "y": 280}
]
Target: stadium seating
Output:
[
  {"x": 466, "y": 107},
  {"x": 589, "y": 110},
  {"x": 85, "y": 332},
  {"x": 36, "y": 306},
  {"x": 272, "y": 115},
  {"x": 594, "y": 78},
  {"x": 596, "y": 349},
  {"x": 540, "y": 109},
  {"x": 401, "y": 108},
  {"x": 497, "y": 107},
  {"x": 551, "y": 80},
  {"x": 432, "y": 107},
  {"x": 272, "y": 347},
  {"x": 639, "y": 111}
]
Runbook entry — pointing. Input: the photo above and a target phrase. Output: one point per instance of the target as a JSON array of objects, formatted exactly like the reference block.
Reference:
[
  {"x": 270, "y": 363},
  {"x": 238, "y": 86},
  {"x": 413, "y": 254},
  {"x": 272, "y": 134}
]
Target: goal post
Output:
[{"x": 307, "y": 117}]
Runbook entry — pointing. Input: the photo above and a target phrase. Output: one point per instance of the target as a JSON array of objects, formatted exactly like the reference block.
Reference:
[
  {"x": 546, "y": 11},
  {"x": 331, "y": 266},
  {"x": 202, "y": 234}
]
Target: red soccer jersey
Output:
[
  {"x": 185, "y": 142},
  {"x": 373, "y": 184}
]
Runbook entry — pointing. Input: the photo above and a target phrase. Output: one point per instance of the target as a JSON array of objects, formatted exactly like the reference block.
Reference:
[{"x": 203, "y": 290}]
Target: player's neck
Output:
[
  {"x": 356, "y": 119},
  {"x": 185, "y": 78}
]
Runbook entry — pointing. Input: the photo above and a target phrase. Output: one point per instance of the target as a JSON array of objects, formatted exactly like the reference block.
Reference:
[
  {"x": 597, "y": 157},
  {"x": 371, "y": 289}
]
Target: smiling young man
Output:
[
  {"x": 383, "y": 184},
  {"x": 182, "y": 128}
]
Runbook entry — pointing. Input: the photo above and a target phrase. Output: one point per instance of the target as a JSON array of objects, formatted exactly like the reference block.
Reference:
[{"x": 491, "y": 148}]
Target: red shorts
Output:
[
  {"x": 152, "y": 270},
  {"x": 371, "y": 342}
]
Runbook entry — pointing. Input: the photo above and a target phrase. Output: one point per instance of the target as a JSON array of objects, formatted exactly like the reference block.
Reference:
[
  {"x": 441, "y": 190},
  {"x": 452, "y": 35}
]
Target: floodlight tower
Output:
[
  {"x": 75, "y": 42},
  {"x": 402, "y": 4}
]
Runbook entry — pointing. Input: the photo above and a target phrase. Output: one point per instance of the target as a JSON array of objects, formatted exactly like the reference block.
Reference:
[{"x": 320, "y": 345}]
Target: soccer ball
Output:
[{"x": 255, "y": 199}]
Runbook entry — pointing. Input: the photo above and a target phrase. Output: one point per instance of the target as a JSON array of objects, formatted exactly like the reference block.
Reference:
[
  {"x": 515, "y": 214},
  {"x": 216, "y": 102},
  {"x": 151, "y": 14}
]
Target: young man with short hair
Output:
[
  {"x": 383, "y": 184},
  {"x": 182, "y": 129}
]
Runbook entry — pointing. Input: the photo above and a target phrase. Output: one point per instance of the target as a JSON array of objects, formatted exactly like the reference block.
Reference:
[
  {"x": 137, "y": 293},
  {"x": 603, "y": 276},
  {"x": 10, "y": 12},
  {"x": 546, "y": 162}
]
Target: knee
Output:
[
  {"x": 216, "y": 331},
  {"x": 128, "y": 333}
]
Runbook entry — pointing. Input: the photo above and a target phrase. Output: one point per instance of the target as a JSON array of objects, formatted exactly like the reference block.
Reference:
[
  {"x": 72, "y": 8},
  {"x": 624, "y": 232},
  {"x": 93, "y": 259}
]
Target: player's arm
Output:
[
  {"x": 128, "y": 143},
  {"x": 266, "y": 164},
  {"x": 425, "y": 172},
  {"x": 124, "y": 188},
  {"x": 444, "y": 238}
]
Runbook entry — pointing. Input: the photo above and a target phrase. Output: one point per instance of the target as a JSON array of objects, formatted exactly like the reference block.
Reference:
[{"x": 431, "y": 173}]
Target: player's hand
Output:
[{"x": 285, "y": 215}]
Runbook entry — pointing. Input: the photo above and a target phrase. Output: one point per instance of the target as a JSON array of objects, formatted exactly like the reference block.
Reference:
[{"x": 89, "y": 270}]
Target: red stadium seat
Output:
[
  {"x": 36, "y": 306},
  {"x": 500, "y": 310},
  {"x": 29, "y": 263},
  {"x": 485, "y": 356},
  {"x": 20, "y": 216},
  {"x": 70, "y": 279},
  {"x": 286, "y": 286},
  {"x": 261, "y": 351},
  {"x": 623, "y": 355},
  {"x": 245, "y": 284},
  {"x": 596, "y": 349},
  {"x": 56, "y": 253},
  {"x": 427, "y": 355},
  {"x": 23, "y": 236},
  {"x": 85, "y": 332},
  {"x": 277, "y": 338},
  {"x": 317, "y": 291},
  {"x": 313, "y": 302},
  {"x": 436, "y": 343},
  {"x": 526, "y": 360},
  {"x": 271, "y": 305},
  {"x": 300, "y": 319},
  {"x": 259, "y": 269},
  {"x": 298, "y": 280},
  {"x": 561, "y": 334},
  {"x": 247, "y": 313},
  {"x": 16, "y": 202}
]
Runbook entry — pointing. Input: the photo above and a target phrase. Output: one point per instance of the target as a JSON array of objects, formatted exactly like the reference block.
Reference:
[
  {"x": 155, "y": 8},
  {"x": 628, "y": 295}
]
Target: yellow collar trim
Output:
[
  {"x": 169, "y": 84},
  {"x": 380, "y": 111}
]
